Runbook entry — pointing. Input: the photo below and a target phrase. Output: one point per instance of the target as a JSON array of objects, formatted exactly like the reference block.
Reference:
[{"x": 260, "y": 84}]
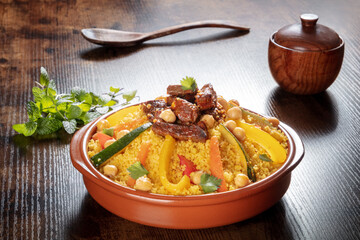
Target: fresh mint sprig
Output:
[{"x": 50, "y": 111}]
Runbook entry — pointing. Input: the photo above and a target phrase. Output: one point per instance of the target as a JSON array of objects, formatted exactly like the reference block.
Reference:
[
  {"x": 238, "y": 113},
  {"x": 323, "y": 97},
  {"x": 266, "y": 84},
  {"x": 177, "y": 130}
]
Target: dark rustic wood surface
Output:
[{"x": 43, "y": 196}]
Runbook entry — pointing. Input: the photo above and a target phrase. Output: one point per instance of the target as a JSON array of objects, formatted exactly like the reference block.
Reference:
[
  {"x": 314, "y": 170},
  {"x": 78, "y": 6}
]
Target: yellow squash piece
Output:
[
  {"x": 165, "y": 157},
  {"x": 115, "y": 118},
  {"x": 271, "y": 145},
  {"x": 229, "y": 137}
]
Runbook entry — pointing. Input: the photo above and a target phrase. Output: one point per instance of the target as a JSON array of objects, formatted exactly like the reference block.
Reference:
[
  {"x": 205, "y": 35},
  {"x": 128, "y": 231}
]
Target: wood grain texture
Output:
[{"x": 43, "y": 196}]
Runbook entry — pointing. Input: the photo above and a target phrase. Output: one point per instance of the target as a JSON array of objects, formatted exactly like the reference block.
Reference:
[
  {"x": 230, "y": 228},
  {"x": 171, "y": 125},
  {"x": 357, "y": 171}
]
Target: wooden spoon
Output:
[{"x": 116, "y": 38}]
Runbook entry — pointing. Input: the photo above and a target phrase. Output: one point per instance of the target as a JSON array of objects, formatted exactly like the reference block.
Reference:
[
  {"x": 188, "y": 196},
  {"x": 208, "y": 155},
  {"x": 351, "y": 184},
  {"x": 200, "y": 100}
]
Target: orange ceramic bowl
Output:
[{"x": 184, "y": 212}]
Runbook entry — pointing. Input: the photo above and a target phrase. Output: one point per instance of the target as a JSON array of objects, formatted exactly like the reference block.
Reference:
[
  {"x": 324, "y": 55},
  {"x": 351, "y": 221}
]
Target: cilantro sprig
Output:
[
  {"x": 50, "y": 111},
  {"x": 209, "y": 183},
  {"x": 137, "y": 170},
  {"x": 188, "y": 83}
]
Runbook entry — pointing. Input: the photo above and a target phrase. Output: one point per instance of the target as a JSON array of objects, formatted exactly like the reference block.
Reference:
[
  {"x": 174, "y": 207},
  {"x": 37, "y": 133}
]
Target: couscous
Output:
[{"x": 187, "y": 143}]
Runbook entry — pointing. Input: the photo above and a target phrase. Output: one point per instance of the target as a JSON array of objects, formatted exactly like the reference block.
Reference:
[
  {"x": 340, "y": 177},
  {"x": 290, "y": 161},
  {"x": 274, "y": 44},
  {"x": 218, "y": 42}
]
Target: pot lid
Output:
[{"x": 308, "y": 35}]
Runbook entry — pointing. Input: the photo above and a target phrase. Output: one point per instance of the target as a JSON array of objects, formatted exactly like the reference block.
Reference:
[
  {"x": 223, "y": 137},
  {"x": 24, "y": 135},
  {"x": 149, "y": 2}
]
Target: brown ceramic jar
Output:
[{"x": 305, "y": 58}]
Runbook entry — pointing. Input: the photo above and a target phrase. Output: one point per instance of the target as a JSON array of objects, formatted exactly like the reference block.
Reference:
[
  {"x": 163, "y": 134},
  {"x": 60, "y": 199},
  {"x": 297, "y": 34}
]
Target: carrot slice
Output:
[
  {"x": 144, "y": 152},
  {"x": 130, "y": 181},
  {"x": 102, "y": 137},
  {"x": 216, "y": 167}
]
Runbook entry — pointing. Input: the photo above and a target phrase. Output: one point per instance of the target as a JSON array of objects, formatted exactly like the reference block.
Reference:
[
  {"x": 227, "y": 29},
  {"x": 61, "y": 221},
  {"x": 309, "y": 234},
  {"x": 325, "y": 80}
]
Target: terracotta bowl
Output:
[
  {"x": 184, "y": 212},
  {"x": 304, "y": 72}
]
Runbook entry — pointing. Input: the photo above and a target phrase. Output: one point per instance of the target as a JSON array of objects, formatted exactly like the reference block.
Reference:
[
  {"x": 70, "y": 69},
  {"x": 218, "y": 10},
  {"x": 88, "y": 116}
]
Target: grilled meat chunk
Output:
[
  {"x": 180, "y": 132},
  {"x": 184, "y": 110},
  {"x": 218, "y": 112},
  {"x": 206, "y": 97},
  {"x": 177, "y": 91},
  {"x": 153, "y": 108}
]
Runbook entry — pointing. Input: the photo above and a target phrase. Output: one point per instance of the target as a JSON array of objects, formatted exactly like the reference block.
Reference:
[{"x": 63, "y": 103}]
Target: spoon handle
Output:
[{"x": 187, "y": 26}]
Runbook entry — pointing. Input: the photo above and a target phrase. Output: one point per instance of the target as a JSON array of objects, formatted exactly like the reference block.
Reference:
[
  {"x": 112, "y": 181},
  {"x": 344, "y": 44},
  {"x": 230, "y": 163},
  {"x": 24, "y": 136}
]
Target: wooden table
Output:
[{"x": 42, "y": 194}]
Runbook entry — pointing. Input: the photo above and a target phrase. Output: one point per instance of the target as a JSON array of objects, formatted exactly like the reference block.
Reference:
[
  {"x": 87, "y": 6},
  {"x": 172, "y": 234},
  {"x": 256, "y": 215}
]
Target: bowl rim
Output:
[
  {"x": 306, "y": 51},
  {"x": 294, "y": 157}
]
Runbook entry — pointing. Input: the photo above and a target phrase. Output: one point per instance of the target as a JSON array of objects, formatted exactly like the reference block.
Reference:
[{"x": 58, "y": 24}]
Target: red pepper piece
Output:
[{"x": 189, "y": 165}]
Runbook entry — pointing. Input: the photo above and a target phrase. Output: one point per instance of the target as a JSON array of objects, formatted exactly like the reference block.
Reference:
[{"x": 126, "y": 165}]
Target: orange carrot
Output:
[
  {"x": 216, "y": 167},
  {"x": 130, "y": 181},
  {"x": 143, "y": 152},
  {"x": 102, "y": 137}
]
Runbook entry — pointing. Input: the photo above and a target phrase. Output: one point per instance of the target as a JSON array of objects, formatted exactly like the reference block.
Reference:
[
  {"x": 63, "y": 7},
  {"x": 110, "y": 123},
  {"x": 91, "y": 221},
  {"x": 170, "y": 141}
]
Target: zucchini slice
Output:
[
  {"x": 243, "y": 155},
  {"x": 118, "y": 145}
]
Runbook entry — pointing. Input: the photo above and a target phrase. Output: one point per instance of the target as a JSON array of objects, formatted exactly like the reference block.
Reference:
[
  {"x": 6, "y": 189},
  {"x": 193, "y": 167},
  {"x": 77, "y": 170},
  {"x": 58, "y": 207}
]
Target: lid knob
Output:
[{"x": 308, "y": 20}]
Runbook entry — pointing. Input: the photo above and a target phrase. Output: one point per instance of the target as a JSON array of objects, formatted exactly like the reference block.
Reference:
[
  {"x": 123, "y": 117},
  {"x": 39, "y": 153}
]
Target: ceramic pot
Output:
[
  {"x": 184, "y": 212},
  {"x": 305, "y": 58}
]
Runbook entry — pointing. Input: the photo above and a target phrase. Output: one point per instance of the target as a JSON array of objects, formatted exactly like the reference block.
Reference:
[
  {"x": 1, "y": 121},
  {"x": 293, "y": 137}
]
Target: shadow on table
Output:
[
  {"x": 94, "y": 222},
  {"x": 24, "y": 144},
  {"x": 310, "y": 114},
  {"x": 106, "y": 53}
]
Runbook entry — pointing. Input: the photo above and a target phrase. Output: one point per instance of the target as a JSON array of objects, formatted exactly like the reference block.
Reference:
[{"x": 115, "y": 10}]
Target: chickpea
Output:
[
  {"x": 228, "y": 176},
  {"x": 274, "y": 121},
  {"x": 208, "y": 120},
  {"x": 102, "y": 124},
  {"x": 168, "y": 116},
  {"x": 223, "y": 103},
  {"x": 231, "y": 125},
  {"x": 143, "y": 184},
  {"x": 196, "y": 177},
  {"x": 241, "y": 180},
  {"x": 109, "y": 142},
  {"x": 110, "y": 171},
  {"x": 234, "y": 113},
  {"x": 234, "y": 102},
  {"x": 239, "y": 133},
  {"x": 121, "y": 133}
]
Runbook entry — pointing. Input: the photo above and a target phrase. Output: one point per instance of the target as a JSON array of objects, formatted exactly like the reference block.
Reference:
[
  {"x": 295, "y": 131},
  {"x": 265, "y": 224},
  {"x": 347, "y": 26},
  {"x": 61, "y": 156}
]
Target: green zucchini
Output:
[
  {"x": 233, "y": 140},
  {"x": 118, "y": 145},
  {"x": 259, "y": 120}
]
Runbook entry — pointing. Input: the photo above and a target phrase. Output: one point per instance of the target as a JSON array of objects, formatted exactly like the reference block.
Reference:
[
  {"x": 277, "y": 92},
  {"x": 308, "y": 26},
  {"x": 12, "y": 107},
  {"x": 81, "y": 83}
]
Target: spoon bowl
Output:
[{"x": 117, "y": 38}]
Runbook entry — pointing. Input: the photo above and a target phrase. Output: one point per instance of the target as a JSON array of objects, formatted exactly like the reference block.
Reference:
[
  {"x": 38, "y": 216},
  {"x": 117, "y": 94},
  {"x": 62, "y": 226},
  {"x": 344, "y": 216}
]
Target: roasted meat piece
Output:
[
  {"x": 177, "y": 91},
  {"x": 218, "y": 112},
  {"x": 153, "y": 108},
  {"x": 180, "y": 132},
  {"x": 184, "y": 110},
  {"x": 206, "y": 97}
]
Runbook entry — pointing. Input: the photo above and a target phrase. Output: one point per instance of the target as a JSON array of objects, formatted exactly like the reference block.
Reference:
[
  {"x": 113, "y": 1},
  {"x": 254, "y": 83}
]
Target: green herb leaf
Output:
[
  {"x": 90, "y": 116},
  {"x": 265, "y": 158},
  {"x": 109, "y": 131},
  {"x": 38, "y": 94},
  {"x": 137, "y": 170},
  {"x": 73, "y": 112},
  {"x": 188, "y": 83},
  {"x": 44, "y": 77},
  {"x": 209, "y": 183},
  {"x": 104, "y": 99},
  {"x": 128, "y": 96},
  {"x": 33, "y": 111},
  {"x": 52, "y": 85},
  {"x": 48, "y": 125},
  {"x": 46, "y": 102},
  {"x": 102, "y": 110},
  {"x": 51, "y": 111},
  {"x": 114, "y": 90},
  {"x": 27, "y": 129},
  {"x": 69, "y": 126}
]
